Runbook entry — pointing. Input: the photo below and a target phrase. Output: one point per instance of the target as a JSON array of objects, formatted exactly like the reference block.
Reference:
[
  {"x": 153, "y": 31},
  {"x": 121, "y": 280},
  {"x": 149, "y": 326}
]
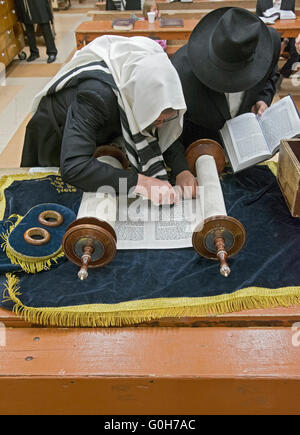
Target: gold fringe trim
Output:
[
  {"x": 133, "y": 312},
  {"x": 5, "y": 236},
  {"x": 11, "y": 285},
  {"x": 27, "y": 264}
]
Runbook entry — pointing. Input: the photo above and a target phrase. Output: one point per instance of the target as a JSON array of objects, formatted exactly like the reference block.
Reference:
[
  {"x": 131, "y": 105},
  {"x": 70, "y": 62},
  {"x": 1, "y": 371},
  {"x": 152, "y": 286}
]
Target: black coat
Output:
[
  {"x": 263, "y": 5},
  {"x": 286, "y": 5},
  {"x": 209, "y": 109},
  {"x": 67, "y": 128},
  {"x": 39, "y": 11}
]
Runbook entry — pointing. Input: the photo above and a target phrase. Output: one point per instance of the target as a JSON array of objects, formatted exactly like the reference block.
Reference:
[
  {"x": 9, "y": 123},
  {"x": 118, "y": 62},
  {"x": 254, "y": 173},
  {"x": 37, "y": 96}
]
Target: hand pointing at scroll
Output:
[
  {"x": 187, "y": 184},
  {"x": 158, "y": 191}
]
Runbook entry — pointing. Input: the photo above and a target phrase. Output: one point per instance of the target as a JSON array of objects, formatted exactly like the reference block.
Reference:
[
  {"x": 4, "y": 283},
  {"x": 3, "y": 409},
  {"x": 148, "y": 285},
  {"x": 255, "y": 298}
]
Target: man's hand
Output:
[
  {"x": 187, "y": 183},
  {"x": 259, "y": 107},
  {"x": 284, "y": 44},
  {"x": 297, "y": 44},
  {"x": 158, "y": 191}
]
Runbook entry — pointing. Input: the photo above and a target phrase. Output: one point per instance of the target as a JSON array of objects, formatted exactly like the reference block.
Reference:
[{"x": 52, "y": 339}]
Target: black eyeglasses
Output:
[{"x": 163, "y": 121}]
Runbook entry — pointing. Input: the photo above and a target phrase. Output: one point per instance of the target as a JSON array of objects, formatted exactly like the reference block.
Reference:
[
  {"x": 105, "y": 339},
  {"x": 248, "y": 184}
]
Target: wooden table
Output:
[
  {"x": 88, "y": 31},
  {"x": 288, "y": 28},
  {"x": 242, "y": 363},
  {"x": 237, "y": 363}
]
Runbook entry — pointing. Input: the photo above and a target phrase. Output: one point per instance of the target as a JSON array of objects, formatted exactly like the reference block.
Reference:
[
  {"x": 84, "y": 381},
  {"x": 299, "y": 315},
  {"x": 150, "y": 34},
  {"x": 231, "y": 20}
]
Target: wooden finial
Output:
[
  {"x": 222, "y": 254},
  {"x": 85, "y": 260}
]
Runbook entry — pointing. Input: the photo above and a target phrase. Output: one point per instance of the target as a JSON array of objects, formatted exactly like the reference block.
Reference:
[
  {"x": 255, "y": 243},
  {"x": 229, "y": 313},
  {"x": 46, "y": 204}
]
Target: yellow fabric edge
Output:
[
  {"x": 272, "y": 165},
  {"x": 7, "y": 180},
  {"x": 30, "y": 264},
  {"x": 133, "y": 312}
]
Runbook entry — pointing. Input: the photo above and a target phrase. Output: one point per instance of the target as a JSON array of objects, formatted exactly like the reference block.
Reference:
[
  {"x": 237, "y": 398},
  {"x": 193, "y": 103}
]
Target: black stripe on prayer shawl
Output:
[
  {"x": 138, "y": 137},
  {"x": 96, "y": 73},
  {"x": 154, "y": 170},
  {"x": 132, "y": 152},
  {"x": 142, "y": 156},
  {"x": 141, "y": 150},
  {"x": 149, "y": 153},
  {"x": 124, "y": 122}
]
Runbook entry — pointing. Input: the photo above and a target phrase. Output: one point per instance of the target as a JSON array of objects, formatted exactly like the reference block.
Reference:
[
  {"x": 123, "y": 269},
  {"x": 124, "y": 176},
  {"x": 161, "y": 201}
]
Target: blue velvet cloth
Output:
[
  {"x": 23, "y": 195},
  {"x": 269, "y": 259},
  {"x": 5, "y": 263},
  {"x": 30, "y": 220}
]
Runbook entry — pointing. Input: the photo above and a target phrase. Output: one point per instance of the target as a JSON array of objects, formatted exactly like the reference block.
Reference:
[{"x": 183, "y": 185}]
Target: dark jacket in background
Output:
[
  {"x": 207, "y": 110},
  {"x": 130, "y": 5},
  {"x": 286, "y": 5},
  {"x": 67, "y": 128},
  {"x": 263, "y": 5},
  {"x": 38, "y": 11}
]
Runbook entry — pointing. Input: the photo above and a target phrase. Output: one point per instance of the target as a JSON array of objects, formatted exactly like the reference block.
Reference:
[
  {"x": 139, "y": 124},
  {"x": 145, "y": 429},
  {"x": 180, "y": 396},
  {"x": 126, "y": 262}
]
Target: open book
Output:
[
  {"x": 275, "y": 13},
  {"x": 250, "y": 139},
  {"x": 269, "y": 20}
]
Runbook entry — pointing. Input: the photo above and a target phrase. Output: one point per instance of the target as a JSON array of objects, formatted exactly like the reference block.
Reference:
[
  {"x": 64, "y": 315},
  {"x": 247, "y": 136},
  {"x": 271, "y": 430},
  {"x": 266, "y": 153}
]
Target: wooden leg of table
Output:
[{"x": 79, "y": 41}]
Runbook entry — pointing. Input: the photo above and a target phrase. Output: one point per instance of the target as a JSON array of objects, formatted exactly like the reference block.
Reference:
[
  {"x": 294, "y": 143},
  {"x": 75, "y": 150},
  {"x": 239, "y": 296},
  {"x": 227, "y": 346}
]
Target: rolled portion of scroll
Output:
[
  {"x": 90, "y": 241},
  {"x": 207, "y": 176},
  {"x": 218, "y": 236}
]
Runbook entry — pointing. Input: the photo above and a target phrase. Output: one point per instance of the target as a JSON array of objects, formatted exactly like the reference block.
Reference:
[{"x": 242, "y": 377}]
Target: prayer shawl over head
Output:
[{"x": 145, "y": 83}]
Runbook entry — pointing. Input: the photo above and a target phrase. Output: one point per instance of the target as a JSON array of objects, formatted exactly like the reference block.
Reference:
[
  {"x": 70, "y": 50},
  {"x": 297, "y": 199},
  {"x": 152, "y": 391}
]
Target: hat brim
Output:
[{"x": 219, "y": 79}]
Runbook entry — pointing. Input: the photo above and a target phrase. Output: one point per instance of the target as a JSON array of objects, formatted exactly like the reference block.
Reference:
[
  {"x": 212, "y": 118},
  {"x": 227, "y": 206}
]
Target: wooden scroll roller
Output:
[
  {"x": 219, "y": 236},
  {"x": 50, "y": 218},
  {"x": 37, "y": 236},
  {"x": 90, "y": 241}
]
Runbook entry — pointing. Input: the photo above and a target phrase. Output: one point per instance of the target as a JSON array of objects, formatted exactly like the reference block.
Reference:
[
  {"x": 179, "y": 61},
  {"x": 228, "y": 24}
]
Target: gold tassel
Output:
[
  {"x": 131, "y": 313},
  {"x": 11, "y": 287}
]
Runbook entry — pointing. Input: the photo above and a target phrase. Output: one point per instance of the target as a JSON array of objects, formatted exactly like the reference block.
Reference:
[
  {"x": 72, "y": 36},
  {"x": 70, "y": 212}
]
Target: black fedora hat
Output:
[{"x": 230, "y": 50}]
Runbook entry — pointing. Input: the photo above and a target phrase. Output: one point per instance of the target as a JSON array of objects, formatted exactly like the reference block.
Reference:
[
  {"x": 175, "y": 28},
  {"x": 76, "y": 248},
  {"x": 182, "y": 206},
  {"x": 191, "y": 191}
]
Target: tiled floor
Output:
[{"x": 24, "y": 80}]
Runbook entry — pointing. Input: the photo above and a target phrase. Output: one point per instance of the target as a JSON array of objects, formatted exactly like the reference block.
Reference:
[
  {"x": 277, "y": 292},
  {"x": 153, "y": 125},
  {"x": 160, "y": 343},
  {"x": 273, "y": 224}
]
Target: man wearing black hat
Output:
[{"x": 228, "y": 67}]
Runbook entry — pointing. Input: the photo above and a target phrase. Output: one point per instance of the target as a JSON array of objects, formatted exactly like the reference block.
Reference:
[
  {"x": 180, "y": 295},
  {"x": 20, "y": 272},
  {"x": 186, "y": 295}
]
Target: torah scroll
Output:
[
  {"x": 91, "y": 241},
  {"x": 218, "y": 236}
]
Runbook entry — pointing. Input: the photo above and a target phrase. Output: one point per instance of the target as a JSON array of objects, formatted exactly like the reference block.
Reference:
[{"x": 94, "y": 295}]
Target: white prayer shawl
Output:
[
  {"x": 120, "y": 4},
  {"x": 146, "y": 82}
]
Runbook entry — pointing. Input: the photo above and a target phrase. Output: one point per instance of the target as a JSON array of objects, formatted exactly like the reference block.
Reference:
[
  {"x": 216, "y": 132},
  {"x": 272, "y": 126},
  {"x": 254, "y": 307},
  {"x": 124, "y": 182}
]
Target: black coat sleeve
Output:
[
  {"x": 110, "y": 6},
  {"x": 288, "y": 5},
  {"x": 175, "y": 158},
  {"x": 269, "y": 90},
  {"x": 86, "y": 115},
  {"x": 259, "y": 8}
]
